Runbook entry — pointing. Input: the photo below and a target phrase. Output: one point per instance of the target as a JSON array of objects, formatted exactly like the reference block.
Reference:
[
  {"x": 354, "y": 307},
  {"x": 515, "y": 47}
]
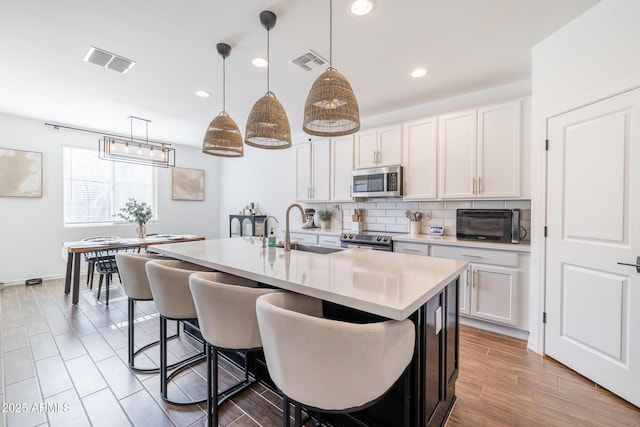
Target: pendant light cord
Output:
[
  {"x": 224, "y": 85},
  {"x": 330, "y": 33},
  {"x": 268, "y": 59}
]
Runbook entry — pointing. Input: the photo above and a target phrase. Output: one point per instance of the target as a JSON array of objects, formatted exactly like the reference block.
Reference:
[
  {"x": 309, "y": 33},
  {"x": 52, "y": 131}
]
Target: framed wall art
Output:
[
  {"x": 187, "y": 184},
  {"x": 20, "y": 173}
]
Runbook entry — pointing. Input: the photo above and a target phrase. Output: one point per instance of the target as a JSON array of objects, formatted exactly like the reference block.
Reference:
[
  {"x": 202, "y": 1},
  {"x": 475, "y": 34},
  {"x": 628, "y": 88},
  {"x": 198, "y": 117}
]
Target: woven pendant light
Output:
[
  {"x": 268, "y": 125},
  {"x": 331, "y": 108},
  {"x": 223, "y": 137}
]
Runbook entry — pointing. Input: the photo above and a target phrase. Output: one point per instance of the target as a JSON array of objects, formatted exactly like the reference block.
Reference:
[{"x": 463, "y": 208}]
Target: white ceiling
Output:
[{"x": 466, "y": 44}]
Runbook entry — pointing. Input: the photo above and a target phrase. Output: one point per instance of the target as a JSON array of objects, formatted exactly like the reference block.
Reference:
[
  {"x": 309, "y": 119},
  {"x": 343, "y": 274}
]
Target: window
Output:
[{"x": 95, "y": 190}]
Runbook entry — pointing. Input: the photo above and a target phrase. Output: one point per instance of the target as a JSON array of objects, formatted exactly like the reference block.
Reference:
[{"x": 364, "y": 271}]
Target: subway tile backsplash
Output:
[{"x": 382, "y": 214}]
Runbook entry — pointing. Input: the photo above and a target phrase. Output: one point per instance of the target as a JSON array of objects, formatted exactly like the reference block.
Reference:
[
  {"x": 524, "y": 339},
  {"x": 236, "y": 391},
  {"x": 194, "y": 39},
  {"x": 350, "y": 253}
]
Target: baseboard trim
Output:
[
  {"x": 492, "y": 327},
  {"x": 21, "y": 281}
]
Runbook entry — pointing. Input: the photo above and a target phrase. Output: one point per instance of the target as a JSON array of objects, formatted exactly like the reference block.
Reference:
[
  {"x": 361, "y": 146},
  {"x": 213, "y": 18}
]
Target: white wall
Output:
[
  {"x": 32, "y": 230},
  {"x": 591, "y": 57}
]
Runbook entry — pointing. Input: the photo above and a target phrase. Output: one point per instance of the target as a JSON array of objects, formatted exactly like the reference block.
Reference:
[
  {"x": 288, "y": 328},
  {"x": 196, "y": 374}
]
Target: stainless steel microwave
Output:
[
  {"x": 377, "y": 182},
  {"x": 490, "y": 225}
]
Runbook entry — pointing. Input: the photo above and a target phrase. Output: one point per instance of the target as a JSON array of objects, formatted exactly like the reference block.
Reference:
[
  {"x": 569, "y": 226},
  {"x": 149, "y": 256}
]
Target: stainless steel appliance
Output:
[
  {"x": 376, "y": 240},
  {"x": 309, "y": 214},
  {"x": 491, "y": 225},
  {"x": 377, "y": 182}
]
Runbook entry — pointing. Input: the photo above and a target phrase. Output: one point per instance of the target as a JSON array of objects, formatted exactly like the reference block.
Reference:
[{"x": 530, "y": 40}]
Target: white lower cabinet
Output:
[
  {"x": 329, "y": 240},
  {"x": 495, "y": 286},
  {"x": 494, "y": 294},
  {"x": 306, "y": 238},
  {"x": 411, "y": 248}
]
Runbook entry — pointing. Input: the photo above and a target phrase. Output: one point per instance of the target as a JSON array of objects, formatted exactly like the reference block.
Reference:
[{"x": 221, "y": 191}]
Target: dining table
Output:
[{"x": 72, "y": 253}]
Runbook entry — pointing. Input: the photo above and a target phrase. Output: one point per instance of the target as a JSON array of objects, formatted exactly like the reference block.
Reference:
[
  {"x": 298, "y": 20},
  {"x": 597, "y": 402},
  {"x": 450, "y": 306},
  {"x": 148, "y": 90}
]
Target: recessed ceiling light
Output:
[
  {"x": 203, "y": 94},
  {"x": 259, "y": 62},
  {"x": 361, "y": 7},
  {"x": 419, "y": 72}
]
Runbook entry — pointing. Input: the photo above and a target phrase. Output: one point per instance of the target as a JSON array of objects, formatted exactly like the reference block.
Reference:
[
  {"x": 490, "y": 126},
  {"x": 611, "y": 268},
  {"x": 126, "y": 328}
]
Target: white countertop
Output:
[
  {"x": 430, "y": 240},
  {"x": 453, "y": 241},
  {"x": 388, "y": 284}
]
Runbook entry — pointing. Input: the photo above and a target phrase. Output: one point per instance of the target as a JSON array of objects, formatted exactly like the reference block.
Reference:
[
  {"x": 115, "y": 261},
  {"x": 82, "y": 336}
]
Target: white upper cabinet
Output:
[
  {"x": 499, "y": 144},
  {"x": 303, "y": 171},
  {"x": 366, "y": 148},
  {"x": 457, "y": 142},
  {"x": 420, "y": 158},
  {"x": 341, "y": 168},
  {"x": 312, "y": 171},
  {"x": 479, "y": 152},
  {"x": 378, "y": 147}
]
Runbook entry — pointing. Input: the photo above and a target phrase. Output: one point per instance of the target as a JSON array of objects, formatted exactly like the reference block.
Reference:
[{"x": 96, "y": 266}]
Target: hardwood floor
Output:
[{"x": 66, "y": 365}]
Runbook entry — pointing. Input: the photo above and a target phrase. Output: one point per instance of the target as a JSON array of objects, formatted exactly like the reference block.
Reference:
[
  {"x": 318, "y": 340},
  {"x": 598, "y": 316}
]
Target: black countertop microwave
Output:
[
  {"x": 377, "y": 182},
  {"x": 488, "y": 225}
]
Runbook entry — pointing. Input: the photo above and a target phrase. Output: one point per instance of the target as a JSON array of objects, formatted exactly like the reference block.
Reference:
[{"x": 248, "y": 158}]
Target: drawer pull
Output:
[{"x": 471, "y": 256}]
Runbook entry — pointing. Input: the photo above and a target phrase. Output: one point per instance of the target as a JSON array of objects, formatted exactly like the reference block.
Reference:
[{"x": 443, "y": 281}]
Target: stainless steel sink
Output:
[{"x": 314, "y": 249}]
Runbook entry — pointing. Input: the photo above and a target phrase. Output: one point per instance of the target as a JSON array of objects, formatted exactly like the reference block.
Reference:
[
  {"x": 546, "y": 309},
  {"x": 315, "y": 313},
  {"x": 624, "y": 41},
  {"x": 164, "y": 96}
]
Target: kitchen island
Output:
[{"x": 364, "y": 285}]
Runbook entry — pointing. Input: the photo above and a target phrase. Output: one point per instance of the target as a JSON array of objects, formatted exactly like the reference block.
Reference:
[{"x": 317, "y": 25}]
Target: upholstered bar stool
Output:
[
  {"x": 169, "y": 281},
  {"x": 328, "y": 365},
  {"x": 226, "y": 307},
  {"x": 136, "y": 286}
]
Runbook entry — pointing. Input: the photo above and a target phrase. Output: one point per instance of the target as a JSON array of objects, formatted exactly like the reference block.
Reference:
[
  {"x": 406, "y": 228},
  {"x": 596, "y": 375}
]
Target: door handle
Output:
[{"x": 636, "y": 265}]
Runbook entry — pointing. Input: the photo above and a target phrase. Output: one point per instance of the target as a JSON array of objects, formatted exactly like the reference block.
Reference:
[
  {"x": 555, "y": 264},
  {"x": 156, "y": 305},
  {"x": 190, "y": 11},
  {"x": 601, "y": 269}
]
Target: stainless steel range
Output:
[{"x": 376, "y": 240}]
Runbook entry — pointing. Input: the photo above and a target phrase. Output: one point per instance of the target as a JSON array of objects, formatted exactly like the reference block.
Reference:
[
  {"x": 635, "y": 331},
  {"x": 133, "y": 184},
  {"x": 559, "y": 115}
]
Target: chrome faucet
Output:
[
  {"x": 287, "y": 236},
  {"x": 264, "y": 232}
]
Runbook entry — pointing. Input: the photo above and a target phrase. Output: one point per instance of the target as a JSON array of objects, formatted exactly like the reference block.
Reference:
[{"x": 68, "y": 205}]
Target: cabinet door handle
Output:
[
  {"x": 480, "y": 187},
  {"x": 474, "y": 279},
  {"x": 468, "y": 277},
  {"x": 471, "y": 256},
  {"x": 473, "y": 184}
]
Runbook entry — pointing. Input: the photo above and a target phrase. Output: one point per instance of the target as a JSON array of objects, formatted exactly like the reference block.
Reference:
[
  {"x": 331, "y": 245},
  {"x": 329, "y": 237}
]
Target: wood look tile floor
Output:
[{"x": 66, "y": 365}]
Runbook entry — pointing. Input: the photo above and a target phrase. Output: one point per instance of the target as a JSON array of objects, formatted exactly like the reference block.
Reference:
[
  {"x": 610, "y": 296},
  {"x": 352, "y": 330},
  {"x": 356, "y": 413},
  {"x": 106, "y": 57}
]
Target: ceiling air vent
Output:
[
  {"x": 108, "y": 60},
  {"x": 309, "y": 60}
]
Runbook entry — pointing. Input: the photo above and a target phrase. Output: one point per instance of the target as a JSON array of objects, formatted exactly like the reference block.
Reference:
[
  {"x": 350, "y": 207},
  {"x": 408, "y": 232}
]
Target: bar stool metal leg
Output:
[
  {"x": 132, "y": 351},
  {"x": 179, "y": 367}
]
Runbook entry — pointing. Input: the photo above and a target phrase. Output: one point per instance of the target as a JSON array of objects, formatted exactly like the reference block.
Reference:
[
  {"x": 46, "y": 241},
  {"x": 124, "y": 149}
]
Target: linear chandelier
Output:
[{"x": 136, "y": 151}]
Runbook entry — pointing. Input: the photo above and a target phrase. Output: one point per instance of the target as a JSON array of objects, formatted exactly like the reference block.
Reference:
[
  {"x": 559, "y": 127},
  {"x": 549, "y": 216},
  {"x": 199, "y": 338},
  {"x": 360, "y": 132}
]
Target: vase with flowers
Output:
[{"x": 138, "y": 213}]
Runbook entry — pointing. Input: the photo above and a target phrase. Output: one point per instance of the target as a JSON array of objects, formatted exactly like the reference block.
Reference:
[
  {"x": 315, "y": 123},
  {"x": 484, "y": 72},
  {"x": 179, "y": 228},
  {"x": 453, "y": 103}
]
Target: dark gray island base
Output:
[{"x": 424, "y": 395}]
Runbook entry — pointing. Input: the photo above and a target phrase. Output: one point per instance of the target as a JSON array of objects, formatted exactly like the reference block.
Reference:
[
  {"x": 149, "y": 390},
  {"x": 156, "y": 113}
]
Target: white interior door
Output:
[{"x": 593, "y": 219}]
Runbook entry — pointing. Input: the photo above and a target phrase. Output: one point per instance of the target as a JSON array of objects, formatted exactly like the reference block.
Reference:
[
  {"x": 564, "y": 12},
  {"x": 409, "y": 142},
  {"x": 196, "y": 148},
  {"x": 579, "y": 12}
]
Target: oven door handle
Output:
[{"x": 356, "y": 246}]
